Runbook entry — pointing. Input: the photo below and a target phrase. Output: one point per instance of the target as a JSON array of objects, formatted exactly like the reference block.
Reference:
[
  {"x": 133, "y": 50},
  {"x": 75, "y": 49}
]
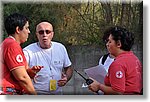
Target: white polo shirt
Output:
[{"x": 53, "y": 59}]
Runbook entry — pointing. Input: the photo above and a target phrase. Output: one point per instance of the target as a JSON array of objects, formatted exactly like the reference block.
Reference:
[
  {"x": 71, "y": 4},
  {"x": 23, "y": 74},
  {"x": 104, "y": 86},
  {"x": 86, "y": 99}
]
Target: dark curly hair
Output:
[
  {"x": 121, "y": 34},
  {"x": 14, "y": 20}
]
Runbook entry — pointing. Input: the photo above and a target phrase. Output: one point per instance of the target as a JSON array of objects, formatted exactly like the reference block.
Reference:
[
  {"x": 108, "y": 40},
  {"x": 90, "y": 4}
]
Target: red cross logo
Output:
[
  {"x": 19, "y": 58},
  {"x": 119, "y": 74}
]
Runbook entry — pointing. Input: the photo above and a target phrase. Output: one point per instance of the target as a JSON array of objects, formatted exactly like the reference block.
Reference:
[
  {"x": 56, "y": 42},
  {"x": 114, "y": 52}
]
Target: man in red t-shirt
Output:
[
  {"x": 15, "y": 78},
  {"x": 125, "y": 73}
]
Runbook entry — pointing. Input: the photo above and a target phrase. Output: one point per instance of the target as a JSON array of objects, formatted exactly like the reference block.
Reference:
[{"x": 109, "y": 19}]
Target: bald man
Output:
[{"x": 53, "y": 56}]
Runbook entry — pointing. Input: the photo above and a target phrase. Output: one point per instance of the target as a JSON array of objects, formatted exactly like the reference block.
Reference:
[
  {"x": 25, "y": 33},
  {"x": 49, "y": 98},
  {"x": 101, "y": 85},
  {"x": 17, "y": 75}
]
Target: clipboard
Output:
[{"x": 97, "y": 72}]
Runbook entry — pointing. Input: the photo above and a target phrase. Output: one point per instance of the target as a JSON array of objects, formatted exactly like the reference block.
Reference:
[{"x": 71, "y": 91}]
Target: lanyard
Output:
[{"x": 47, "y": 59}]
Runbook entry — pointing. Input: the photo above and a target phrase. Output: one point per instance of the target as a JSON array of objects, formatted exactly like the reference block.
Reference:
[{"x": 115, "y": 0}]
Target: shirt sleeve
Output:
[
  {"x": 28, "y": 55},
  {"x": 14, "y": 57},
  {"x": 67, "y": 61},
  {"x": 117, "y": 77}
]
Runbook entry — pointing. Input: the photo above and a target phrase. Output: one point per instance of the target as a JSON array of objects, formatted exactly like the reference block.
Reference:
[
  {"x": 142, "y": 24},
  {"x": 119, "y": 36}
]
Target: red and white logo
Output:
[
  {"x": 119, "y": 74},
  {"x": 19, "y": 58}
]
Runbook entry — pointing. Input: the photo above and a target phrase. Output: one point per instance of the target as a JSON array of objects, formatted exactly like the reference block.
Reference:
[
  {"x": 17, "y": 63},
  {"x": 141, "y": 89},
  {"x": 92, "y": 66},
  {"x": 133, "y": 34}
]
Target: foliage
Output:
[{"x": 81, "y": 23}]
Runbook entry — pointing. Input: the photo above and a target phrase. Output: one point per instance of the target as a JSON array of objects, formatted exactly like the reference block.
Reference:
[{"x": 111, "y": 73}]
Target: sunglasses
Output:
[{"x": 46, "y": 31}]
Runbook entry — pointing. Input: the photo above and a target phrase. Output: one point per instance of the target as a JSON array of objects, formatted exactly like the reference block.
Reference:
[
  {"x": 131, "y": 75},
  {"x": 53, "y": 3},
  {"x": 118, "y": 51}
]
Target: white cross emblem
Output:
[
  {"x": 19, "y": 58},
  {"x": 119, "y": 74}
]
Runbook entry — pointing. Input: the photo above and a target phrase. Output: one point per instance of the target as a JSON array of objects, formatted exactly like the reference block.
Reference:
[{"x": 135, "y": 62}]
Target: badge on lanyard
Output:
[{"x": 53, "y": 85}]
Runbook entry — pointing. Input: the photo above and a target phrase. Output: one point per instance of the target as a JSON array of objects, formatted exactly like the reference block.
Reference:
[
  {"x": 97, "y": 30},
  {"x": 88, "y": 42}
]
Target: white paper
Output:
[
  {"x": 97, "y": 72},
  {"x": 84, "y": 85}
]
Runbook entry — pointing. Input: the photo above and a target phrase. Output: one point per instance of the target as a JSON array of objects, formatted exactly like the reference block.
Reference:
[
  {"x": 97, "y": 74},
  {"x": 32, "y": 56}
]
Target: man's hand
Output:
[{"x": 63, "y": 80}]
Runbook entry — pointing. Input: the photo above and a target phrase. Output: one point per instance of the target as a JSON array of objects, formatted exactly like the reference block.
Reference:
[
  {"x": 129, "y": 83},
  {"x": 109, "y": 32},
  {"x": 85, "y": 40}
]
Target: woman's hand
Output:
[{"x": 95, "y": 86}]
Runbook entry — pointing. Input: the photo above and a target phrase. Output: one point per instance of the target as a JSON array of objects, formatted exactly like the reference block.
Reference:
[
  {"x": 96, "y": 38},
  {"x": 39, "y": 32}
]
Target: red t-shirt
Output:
[
  {"x": 125, "y": 74},
  {"x": 12, "y": 56}
]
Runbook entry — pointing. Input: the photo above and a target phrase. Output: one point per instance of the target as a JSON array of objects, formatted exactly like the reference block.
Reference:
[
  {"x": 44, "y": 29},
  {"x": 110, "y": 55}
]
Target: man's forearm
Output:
[
  {"x": 69, "y": 72},
  {"x": 26, "y": 83},
  {"x": 24, "y": 80}
]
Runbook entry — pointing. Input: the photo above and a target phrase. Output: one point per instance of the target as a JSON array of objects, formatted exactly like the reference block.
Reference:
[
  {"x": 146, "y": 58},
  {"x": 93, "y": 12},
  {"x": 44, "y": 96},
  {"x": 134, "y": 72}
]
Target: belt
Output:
[{"x": 10, "y": 91}]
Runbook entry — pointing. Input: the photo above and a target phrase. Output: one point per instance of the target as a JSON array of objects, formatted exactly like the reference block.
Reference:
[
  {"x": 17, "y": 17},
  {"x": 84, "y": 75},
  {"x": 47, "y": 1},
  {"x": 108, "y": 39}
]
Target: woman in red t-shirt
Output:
[{"x": 125, "y": 73}]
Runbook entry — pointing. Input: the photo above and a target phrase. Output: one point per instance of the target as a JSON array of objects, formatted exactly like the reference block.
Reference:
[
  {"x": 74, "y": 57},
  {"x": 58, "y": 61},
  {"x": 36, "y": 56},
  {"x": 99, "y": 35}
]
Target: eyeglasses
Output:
[{"x": 46, "y": 31}]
